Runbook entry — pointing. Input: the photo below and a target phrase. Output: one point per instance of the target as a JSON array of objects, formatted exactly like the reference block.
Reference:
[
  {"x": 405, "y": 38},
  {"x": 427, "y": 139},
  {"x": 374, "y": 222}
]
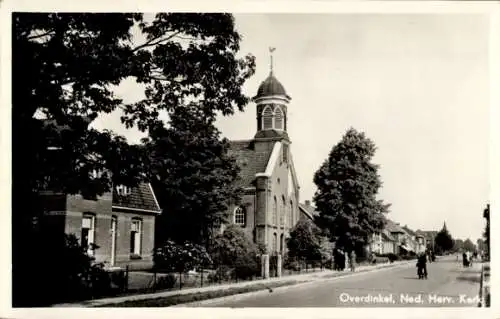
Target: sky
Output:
[{"x": 417, "y": 85}]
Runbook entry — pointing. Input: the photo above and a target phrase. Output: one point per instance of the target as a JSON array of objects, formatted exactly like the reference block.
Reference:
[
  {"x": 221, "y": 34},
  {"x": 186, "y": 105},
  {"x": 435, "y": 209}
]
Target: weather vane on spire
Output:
[{"x": 271, "y": 50}]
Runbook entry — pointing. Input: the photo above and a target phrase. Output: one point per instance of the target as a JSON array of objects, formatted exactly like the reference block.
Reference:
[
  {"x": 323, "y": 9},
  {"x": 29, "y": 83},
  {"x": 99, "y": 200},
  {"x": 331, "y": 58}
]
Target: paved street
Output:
[{"x": 449, "y": 285}]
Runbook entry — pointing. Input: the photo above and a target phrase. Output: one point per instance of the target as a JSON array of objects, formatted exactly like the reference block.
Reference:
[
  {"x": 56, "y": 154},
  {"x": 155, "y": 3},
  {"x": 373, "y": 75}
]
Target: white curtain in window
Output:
[{"x": 136, "y": 233}]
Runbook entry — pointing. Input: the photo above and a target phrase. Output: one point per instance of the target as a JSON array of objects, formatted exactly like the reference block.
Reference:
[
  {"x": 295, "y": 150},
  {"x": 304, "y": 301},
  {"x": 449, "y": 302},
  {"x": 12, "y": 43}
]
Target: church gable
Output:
[{"x": 250, "y": 161}]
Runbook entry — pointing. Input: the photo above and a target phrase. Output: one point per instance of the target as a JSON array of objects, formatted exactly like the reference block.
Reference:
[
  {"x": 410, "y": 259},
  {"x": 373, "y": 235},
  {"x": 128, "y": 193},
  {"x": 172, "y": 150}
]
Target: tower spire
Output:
[{"x": 271, "y": 50}]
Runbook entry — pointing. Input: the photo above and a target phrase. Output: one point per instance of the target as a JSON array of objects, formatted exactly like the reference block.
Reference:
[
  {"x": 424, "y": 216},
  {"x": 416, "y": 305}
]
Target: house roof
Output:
[
  {"x": 393, "y": 227},
  {"x": 388, "y": 237},
  {"x": 427, "y": 233},
  {"x": 249, "y": 160},
  {"x": 309, "y": 210},
  {"x": 409, "y": 231},
  {"x": 140, "y": 198}
]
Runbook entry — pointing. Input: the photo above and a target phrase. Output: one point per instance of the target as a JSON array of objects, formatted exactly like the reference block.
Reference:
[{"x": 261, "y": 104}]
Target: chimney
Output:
[{"x": 308, "y": 203}]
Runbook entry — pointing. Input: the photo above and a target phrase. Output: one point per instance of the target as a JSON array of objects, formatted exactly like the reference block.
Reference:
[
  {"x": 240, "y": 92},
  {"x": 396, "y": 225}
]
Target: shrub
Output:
[
  {"x": 166, "y": 282},
  {"x": 180, "y": 258},
  {"x": 222, "y": 274},
  {"x": 306, "y": 241},
  {"x": 235, "y": 250}
]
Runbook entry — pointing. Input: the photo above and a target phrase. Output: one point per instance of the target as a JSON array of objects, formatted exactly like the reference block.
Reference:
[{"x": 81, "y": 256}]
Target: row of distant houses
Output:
[{"x": 393, "y": 239}]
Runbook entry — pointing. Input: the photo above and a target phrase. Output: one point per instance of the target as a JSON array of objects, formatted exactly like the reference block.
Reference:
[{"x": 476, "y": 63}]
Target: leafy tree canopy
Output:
[
  {"x": 65, "y": 66},
  {"x": 193, "y": 176},
  {"x": 444, "y": 242},
  {"x": 306, "y": 241},
  {"x": 64, "y": 70},
  {"x": 347, "y": 185},
  {"x": 234, "y": 249},
  {"x": 469, "y": 245}
]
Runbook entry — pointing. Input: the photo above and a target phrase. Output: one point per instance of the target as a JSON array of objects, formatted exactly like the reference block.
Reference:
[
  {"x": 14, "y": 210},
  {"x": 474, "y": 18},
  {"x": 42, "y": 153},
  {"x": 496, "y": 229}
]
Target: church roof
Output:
[
  {"x": 141, "y": 197},
  {"x": 271, "y": 86},
  {"x": 249, "y": 160}
]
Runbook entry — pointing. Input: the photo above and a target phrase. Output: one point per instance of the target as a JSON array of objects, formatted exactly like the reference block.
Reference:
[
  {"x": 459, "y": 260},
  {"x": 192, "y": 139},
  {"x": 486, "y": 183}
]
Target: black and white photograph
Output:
[{"x": 230, "y": 159}]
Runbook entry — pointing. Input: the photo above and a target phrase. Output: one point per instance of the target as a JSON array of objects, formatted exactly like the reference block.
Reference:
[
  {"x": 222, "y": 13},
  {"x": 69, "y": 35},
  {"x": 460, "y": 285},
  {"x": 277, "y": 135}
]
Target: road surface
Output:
[{"x": 448, "y": 285}]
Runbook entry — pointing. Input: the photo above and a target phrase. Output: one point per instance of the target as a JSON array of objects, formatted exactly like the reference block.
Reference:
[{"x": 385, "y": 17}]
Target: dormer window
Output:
[{"x": 123, "y": 190}]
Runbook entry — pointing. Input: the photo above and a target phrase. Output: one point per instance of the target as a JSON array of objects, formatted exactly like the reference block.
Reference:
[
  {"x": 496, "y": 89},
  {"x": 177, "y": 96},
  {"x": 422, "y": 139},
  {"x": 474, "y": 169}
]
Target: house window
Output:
[
  {"x": 267, "y": 118},
  {"x": 275, "y": 212},
  {"x": 240, "y": 216},
  {"x": 135, "y": 237},
  {"x": 123, "y": 190},
  {"x": 278, "y": 118},
  {"x": 88, "y": 230}
]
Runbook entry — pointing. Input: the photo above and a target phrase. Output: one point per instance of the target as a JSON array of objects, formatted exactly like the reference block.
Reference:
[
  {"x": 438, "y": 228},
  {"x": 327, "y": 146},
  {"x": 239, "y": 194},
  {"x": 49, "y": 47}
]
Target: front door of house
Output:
[{"x": 114, "y": 223}]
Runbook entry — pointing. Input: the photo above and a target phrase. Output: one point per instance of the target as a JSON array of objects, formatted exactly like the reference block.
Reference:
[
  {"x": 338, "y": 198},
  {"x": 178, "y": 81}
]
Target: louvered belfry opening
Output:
[
  {"x": 278, "y": 118},
  {"x": 267, "y": 118}
]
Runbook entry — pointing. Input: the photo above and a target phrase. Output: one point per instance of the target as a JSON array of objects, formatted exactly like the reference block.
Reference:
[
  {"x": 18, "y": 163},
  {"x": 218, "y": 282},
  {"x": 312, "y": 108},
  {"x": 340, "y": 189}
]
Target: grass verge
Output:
[{"x": 199, "y": 296}]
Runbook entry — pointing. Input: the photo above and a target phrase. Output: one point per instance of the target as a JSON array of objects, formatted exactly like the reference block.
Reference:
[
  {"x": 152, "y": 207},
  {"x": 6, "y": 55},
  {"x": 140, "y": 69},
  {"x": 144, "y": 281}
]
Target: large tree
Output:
[
  {"x": 193, "y": 177},
  {"x": 469, "y": 245},
  {"x": 481, "y": 244},
  {"x": 444, "y": 241},
  {"x": 347, "y": 185},
  {"x": 458, "y": 245},
  {"x": 64, "y": 68}
]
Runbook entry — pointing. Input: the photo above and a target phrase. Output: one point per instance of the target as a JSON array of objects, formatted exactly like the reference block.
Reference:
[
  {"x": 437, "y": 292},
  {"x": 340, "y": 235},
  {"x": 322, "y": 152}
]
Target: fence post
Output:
[
  {"x": 126, "y": 277},
  {"x": 180, "y": 280},
  {"x": 154, "y": 279},
  {"x": 201, "y": 276}
]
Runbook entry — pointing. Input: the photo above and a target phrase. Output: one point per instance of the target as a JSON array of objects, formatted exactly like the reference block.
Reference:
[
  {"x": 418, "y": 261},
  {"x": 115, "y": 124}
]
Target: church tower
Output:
[{"x": 272, "y": 106}]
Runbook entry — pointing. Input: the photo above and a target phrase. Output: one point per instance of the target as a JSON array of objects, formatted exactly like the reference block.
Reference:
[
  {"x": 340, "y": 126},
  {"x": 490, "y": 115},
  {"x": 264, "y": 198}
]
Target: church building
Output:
[{"x": 270, "y": 205}]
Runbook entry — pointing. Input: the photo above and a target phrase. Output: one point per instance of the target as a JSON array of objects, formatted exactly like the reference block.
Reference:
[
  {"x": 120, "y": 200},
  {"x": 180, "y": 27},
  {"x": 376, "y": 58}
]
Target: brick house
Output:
[
  {"x": 270, "y": 204},
  {"x": 121, "y": 223}
]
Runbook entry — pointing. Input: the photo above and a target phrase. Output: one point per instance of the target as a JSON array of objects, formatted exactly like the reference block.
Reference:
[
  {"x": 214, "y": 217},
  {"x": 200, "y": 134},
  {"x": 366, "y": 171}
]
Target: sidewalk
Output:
[{"x": 299, "y": 278}]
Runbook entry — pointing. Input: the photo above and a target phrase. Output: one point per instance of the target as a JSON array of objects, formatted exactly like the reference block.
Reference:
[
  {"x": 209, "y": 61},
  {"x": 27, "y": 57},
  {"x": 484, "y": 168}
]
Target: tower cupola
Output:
[{"x": 272, "y": 103}]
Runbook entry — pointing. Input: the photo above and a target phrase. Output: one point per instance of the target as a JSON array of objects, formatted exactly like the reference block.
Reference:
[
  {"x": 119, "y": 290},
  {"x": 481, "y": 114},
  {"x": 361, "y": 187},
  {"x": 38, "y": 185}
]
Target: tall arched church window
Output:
[
  {"x": 275, "y": 211},
  {"x": 283, "y": 211},
  {"x": 278, "y": 118},
  {"x": 290, "y": 219},
  {"x": 275, "y": 242},
  {"x": 282, "y": 242},
  {"x": 240, "y": 216},
  {"x": 267, "y": 118}
]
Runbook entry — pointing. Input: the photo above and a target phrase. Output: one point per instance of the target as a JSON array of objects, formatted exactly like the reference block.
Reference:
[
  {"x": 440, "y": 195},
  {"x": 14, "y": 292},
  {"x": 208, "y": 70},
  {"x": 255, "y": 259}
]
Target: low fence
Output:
[{"x": 124, "y": 281}]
